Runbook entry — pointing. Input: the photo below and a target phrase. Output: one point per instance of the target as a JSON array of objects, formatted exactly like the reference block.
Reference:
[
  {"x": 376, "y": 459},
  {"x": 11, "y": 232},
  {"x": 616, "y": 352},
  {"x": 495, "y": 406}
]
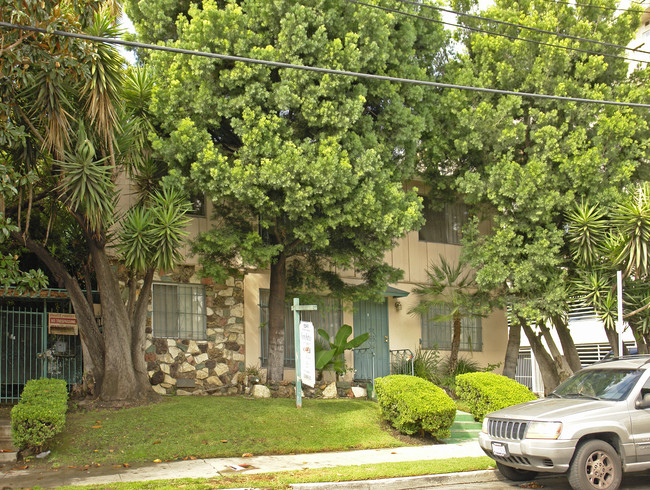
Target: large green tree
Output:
[
  {"x": 306, "y": 170},
  {"x": 524, "y": 161},
  {"x": 72, "y": 122}
]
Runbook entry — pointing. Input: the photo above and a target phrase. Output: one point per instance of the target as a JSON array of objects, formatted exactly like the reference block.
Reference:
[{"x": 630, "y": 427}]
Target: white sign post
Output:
[
  {"x": 307, "y": 359},
  {"x": 619, "y": 322}
]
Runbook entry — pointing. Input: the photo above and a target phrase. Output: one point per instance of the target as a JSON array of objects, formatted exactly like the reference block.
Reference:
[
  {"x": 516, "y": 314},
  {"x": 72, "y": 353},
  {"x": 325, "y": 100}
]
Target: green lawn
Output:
[{"x": 207, "y": 427}]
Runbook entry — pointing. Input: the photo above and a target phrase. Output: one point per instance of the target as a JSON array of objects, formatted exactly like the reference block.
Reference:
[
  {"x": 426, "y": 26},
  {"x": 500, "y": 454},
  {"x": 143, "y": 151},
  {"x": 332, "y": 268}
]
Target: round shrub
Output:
[
  {"x": 40, "y": 413},
  {"x": 486, "y": 392},
  {"x": 414, "y": 405}
]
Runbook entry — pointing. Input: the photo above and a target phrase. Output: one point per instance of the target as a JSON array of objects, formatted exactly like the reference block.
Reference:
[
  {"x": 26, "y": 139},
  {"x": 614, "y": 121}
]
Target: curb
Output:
[{"x": 408, "y": 482}]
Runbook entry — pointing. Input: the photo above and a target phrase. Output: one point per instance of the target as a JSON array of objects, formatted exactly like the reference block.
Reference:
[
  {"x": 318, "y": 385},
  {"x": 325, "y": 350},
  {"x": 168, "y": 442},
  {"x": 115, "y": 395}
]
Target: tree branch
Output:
[{"x": 643, "y": 308}]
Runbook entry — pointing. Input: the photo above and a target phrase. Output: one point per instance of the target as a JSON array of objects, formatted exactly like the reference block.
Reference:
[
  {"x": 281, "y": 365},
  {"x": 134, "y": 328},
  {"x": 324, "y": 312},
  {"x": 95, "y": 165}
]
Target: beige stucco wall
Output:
[
  {"x": 413, "y": 257},
  {"x": 410, "y": 255}
]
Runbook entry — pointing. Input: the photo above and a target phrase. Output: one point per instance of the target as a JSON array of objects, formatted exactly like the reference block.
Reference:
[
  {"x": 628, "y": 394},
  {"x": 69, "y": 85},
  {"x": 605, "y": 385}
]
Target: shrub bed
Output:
[
  {"x": 40, "y": 413},
  {"x": 486, "y": 392},
  {"x": 414, "y": 405}
]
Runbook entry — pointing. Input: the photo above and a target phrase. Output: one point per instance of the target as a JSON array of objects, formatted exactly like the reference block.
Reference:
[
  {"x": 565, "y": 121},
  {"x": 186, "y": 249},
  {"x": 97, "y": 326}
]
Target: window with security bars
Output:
[
  {"x": 443, "y": 225},
  {"x": 437, "y": 334},
  {"x": 328, "y": 316},
  {"x": 179, "y": 311}
]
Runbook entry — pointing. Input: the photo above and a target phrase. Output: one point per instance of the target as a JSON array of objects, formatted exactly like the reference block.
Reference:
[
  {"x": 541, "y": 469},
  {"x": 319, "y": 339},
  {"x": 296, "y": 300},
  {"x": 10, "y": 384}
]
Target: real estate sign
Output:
[{"x": 307, "y": 362}]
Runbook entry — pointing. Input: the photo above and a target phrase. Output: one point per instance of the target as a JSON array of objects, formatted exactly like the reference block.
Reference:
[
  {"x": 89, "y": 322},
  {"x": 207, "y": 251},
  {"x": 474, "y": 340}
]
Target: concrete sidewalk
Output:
[{"x": 206, "y": 468}]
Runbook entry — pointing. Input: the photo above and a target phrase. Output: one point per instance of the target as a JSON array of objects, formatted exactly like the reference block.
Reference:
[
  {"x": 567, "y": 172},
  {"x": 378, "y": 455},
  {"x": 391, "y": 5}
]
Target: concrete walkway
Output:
[{"x": 207, "y": 468}]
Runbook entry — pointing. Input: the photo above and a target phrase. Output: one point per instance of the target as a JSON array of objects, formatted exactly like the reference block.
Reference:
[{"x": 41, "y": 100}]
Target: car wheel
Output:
[
  {"x": 596, "y": 465},
  {"x": 515, "y": 474}
]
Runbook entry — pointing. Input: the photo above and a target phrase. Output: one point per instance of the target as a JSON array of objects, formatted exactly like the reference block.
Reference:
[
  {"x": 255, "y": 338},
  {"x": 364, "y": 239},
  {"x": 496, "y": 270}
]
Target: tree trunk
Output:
[
  {"x": 568, "y": 345},
  {"x": 120, "y": 380},
  {"x": 277, "y": 300},
  {"x": 612, "y": 337},
  {"x": 561, "y": 364},
  {"x": 512, "y": 352},
  {"x": 455, "y": 345},
  {"x": 138, "y": 321},
  {"x": 89, "y": 332},
  {"x": 547, "y": 367}
]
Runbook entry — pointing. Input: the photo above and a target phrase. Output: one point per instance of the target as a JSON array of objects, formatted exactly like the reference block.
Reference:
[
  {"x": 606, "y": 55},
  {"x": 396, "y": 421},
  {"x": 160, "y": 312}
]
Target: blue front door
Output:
[{"x": 371, "y": 359}]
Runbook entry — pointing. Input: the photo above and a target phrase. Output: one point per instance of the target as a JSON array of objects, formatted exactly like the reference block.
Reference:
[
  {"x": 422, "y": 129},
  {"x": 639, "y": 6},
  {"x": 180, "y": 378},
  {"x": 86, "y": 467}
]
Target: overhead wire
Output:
[
  {"x": 279, "y": 64},
  {"x": 602, "y": 7},
  {"x": 521, "y": 26},
  {"x": 492, "y": 33}
]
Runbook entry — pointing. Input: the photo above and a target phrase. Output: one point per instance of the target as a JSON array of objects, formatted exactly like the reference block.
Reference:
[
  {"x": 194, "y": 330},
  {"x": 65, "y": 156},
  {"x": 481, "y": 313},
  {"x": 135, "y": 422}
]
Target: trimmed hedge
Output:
[
  {"x": 412, "y": 404},
  {"x": 487, "y": 392},
  {"x": 40, "y": 413}
]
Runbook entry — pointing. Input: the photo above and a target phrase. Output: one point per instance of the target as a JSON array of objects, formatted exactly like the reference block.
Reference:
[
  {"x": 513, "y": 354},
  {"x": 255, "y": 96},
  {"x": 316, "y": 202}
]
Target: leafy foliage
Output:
[
  {"x": 305, "y": 170},
  {"x": 452, "y": 288},
  {"x": 73, "y": 122},
  {"x": 605, "y": 239},
  {"x": 40, "y": 413},
  {"x": 522, "y": 162},
  {"x": 486, "y": 392},
  {"x": 413, "y": 405},
  {"x": 332, "y": 358}
]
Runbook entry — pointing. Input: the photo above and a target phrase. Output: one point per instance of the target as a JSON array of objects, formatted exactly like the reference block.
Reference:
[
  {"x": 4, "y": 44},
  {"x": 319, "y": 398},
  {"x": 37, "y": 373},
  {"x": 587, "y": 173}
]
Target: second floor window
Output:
[{"x": 443, "y": 225}]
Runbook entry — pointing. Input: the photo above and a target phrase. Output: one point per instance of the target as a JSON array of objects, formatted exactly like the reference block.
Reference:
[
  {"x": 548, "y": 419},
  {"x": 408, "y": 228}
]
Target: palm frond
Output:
[
  {"x": 86, "y": 184},
  {"x": 632, "y": 218},
  {"x": 587, "y": 229},
  {"x": 169, "y": 208},
  {"x": 102, "y": 88},
  {"x": 136, "y": 238}
]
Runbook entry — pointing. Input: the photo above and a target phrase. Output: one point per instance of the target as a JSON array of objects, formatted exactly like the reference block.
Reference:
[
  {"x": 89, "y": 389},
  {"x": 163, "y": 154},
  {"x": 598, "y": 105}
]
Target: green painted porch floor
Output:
[{"x": 464, "y": 429}]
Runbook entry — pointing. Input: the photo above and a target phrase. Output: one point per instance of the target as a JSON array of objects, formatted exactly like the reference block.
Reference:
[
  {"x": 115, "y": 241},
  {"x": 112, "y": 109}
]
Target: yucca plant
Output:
[{"x": 604, "y": 241}]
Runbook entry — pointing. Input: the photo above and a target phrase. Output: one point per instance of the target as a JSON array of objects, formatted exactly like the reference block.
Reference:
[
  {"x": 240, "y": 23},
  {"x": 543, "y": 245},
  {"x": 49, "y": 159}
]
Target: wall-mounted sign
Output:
[{"x": 62, "y": 324}]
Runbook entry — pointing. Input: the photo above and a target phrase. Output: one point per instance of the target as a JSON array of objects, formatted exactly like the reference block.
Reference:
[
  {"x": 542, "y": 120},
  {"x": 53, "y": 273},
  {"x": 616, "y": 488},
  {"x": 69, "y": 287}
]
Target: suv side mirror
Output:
[{"x": 644, "y": 402}]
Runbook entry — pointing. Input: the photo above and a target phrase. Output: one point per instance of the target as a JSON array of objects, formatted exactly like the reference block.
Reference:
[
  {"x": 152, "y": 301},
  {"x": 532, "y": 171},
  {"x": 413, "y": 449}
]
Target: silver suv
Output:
[{"x": 595, "y": 426}]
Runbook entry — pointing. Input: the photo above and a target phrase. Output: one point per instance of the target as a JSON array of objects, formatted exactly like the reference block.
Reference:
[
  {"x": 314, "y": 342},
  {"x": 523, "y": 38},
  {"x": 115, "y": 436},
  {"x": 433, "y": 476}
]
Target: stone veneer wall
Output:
[{"x": 200, "y": 367}]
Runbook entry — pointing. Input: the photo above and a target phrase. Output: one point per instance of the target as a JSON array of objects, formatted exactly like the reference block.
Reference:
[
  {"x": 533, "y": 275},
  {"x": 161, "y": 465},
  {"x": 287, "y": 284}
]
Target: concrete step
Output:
[
  {"x": 8, "y": 453},
  {"x": 464, "y": 429}
]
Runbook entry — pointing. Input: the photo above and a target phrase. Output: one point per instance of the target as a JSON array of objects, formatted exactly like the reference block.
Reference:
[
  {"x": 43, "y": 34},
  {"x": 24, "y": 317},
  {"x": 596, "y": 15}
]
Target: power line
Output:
[
  {"x": 491, "y": 33},
  {"x": 595, "y": 6},
  {"x": 521, "y": 26},
  {"x": 279, "y": 64}
]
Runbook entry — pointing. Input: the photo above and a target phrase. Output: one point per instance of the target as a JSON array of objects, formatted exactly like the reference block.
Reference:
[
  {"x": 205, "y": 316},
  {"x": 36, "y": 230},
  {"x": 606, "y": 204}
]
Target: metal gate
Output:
[
  {"x": 28, "y": 352},
  {"x": 524, "y": 372}
]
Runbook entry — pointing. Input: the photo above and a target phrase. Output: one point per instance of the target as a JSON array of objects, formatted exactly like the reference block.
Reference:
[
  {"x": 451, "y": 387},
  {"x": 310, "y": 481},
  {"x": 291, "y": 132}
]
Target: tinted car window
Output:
[{"x": 606, "y": 384}]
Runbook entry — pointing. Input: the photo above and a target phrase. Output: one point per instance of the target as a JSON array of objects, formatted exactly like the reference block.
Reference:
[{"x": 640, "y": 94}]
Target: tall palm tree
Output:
[{"x": 451, "y": 288}]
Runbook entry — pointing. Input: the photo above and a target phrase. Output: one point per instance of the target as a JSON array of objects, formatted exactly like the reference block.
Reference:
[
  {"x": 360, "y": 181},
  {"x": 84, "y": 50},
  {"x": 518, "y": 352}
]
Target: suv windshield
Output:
[{"x": 604, "y": 384}]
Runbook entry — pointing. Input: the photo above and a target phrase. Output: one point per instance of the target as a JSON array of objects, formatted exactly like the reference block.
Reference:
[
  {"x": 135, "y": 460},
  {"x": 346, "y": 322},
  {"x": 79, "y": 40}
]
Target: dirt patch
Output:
[
  {"x": 94, "y": 404},
  {"x": 412, "y": 440},
  {"x": 5, "y": 411}
]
